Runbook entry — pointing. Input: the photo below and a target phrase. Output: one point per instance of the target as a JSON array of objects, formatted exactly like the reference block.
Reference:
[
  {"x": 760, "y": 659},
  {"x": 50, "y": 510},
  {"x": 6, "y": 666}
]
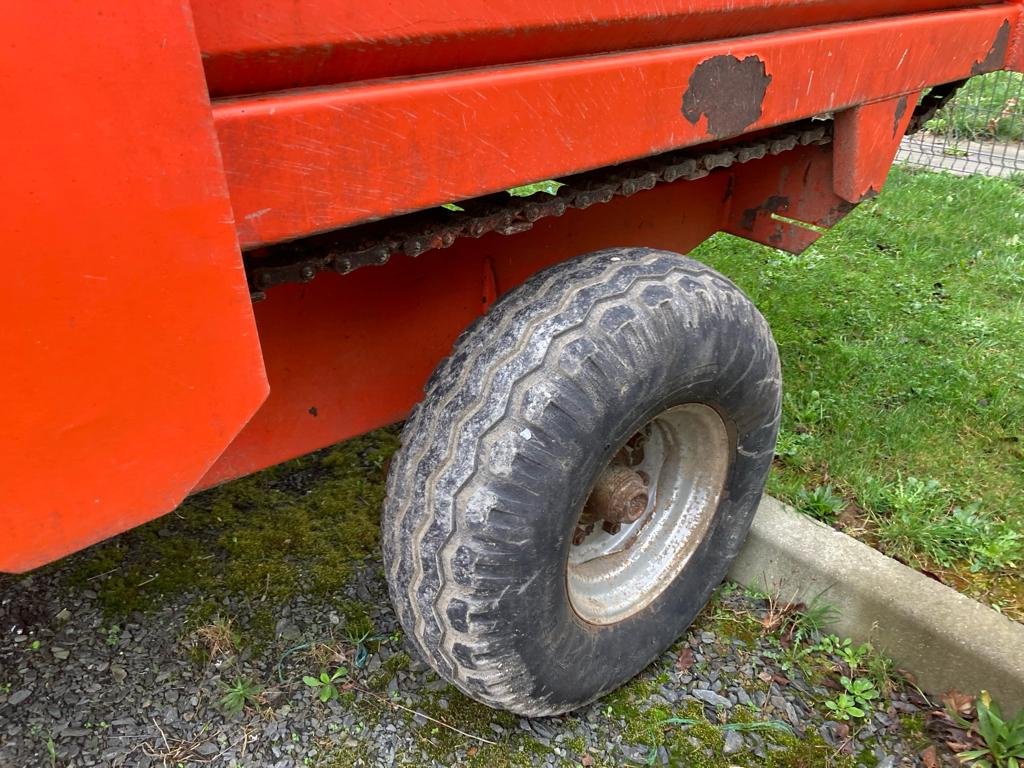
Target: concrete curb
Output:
[{"x": 945, "y": 639}]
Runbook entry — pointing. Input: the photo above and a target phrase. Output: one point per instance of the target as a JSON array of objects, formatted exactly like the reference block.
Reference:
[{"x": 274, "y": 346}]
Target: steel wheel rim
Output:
[{"x": 611, "y": 576}]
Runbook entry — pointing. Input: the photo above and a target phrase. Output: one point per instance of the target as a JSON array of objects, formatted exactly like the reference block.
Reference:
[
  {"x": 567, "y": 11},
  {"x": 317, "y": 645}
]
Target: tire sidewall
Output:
[
  {"x": 518, "y": 423},
  {"x": 604, "y": 656}
]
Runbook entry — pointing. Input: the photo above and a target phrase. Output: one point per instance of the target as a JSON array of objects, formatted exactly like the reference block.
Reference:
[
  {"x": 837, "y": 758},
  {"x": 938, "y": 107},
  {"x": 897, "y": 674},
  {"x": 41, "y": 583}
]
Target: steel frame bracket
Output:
[
  {"x": 865, "y": 141},
  {"x": 786, "y": 202}
]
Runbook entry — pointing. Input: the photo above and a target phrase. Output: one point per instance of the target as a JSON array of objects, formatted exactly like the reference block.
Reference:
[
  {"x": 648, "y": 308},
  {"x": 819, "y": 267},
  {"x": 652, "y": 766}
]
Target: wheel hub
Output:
[{"x": 647, "y": 513}]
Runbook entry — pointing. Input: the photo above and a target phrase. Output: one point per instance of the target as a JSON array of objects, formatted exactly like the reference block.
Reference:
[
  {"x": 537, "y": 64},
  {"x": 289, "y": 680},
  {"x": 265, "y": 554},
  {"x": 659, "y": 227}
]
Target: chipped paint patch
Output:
[
  {"x": 901, "y": 111},
  {"x": 729, "y": 92},
  {"x": 774, "y": 204},
  {"x": 996, "y": 56}
]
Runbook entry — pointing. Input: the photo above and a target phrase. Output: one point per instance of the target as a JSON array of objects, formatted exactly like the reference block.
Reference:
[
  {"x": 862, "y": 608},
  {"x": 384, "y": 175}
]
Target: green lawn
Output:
[
  {"x": 902, "y": 340},
  {"x": 988, "y": 107}
]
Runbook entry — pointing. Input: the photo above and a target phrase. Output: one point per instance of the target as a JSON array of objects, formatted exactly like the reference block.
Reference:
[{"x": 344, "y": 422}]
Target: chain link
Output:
[{"x": 372, "y": 244}]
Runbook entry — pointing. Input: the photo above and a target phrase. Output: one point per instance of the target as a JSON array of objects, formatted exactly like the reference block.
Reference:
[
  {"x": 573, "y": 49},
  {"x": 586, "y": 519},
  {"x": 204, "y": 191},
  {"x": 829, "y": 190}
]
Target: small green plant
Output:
[
  {"x": 1004, "y": 739},
  {"x": 810, "y": 623},
  {"x": 844, "y": 707},
  {"x": 833, "y": 644},
  {"x": 920, "y": 516},
  {"x": 858, "y": 697},
  {"x": 791, "y": 656},
  {"x": 806, "y": 409},
  {"x": 548, "y": 187},
  {"x": 324, "y": 686},
  {"x": 862, "y": 690},
  {"x": 790, "y": 445},
  {"x": 239, "y": 694},
  {"x": 51, "y": 751},
  {"x": 999, "y": 547},
  {"x": 882, "y": 670},
  {"x": 852, "y": 655},
  {"x": 875, "y": 667},
  {"x": 823, "y": 503},
  {"x": 358, "y": 637}
]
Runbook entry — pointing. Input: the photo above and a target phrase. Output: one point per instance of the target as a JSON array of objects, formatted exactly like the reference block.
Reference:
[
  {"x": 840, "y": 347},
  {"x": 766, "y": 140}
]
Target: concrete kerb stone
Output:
[{"x": 946, "y": 640}]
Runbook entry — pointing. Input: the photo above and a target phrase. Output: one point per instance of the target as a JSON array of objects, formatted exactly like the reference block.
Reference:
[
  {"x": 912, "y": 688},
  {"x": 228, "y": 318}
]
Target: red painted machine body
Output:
[{"x": 145, "y": 147}]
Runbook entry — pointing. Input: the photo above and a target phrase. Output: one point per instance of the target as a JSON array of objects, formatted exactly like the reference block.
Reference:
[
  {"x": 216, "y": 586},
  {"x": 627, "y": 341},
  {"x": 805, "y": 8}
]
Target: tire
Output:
[{"x": 517, "y": 425}]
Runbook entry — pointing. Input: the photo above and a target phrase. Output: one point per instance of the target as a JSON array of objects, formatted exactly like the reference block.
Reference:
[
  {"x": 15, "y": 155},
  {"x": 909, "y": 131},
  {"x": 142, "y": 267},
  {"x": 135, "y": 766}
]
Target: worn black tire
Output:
[{"x": 499, "y": 457}]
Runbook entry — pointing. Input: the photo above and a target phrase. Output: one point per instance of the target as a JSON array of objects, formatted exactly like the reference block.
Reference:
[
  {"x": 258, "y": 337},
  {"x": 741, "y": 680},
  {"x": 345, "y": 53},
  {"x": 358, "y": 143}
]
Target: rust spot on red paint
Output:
[
  {"x": 837, "y": 213},
  {"x": 901, "y": 111},
  {"x": 730, "y": 187},
  {"x": 996, "y": 56},
  {"x": 774, "y": 204},
  {"x": 871, "y": 194},
  {"x": 728, "y": 91}
]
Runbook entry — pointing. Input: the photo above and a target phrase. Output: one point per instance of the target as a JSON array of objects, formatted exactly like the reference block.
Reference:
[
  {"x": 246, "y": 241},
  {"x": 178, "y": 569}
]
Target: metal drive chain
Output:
[{"x": 370, "y": 244}]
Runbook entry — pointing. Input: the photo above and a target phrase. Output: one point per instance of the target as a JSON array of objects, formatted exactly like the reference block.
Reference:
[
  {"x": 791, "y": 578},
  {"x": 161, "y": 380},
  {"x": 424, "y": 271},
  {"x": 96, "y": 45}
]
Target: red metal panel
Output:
[
  {"x": 774, "y": 201},
  {"x": 262, "y": 45},
  {"x": 317, "y": 160},
  {"x": 866, "y": 140},
  {"x": 348, "y": 354},
  {"x": 1015, "y": 57},
  {"x": 129, "y": 350}
]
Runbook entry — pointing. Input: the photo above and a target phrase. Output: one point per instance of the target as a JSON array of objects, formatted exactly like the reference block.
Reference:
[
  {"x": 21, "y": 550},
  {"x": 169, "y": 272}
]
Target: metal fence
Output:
[{"x": 980, "y": 131}]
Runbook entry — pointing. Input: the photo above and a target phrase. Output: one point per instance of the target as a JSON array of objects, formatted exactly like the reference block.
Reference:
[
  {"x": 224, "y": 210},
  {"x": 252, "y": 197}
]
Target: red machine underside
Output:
[{"x": 134, "y": 371}]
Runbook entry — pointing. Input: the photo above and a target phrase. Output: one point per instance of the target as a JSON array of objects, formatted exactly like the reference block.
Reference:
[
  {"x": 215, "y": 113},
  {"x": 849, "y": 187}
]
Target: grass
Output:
[
  {"x": 988, "y": 107},
  {"x": 900, "y": 334}
]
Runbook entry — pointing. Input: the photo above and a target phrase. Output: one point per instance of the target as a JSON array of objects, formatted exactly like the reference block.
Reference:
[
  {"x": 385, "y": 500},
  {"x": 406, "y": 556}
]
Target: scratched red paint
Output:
[
  {"x": 130, "y": 357},
  {"x": 866, "y": 140},
  {"x": 316, "y": 160},
  {"x": 264, "y": 45}
]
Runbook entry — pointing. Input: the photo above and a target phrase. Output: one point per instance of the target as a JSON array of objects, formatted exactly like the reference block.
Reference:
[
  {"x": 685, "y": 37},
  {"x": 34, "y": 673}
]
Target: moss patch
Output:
[
  {"x": 297, "y": 526},
  {"x": 913, "y": 728},
  {"x": 736, "y": 626},
  {"x": 700, "y": 745},
  {"x": 513, "y": 748}
]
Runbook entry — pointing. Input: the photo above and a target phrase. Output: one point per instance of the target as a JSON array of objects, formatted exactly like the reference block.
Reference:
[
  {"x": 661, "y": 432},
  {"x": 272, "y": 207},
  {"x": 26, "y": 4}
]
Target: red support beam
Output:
[
  {"x": 316, "y": 160},
  {"x": 252, "y": 46}
]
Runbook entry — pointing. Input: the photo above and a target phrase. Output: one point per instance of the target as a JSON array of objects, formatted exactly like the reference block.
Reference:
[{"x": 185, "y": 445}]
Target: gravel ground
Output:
[{"x": 78, "y": 691}]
